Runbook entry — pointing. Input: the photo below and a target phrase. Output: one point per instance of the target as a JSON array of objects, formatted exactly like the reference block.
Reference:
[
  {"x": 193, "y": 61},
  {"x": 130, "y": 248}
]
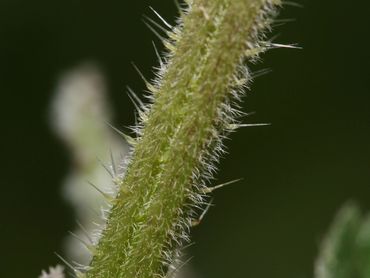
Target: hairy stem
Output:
[{"x": 180, "y": 137}]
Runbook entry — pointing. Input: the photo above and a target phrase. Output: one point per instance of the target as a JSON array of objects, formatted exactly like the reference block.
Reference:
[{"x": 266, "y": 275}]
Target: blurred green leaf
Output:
[{"x": 345, "y": 251}]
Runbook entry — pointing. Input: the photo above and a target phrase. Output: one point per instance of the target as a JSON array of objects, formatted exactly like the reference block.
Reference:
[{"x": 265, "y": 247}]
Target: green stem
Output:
[{"x": 180, "y": 139}]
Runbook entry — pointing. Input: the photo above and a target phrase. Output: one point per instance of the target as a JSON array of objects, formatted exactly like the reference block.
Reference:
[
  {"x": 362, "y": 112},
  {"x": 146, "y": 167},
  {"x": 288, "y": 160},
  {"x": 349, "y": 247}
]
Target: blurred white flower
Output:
[
  {"x": 54, "y": 272},
  {"x": 79, "y": 116}
]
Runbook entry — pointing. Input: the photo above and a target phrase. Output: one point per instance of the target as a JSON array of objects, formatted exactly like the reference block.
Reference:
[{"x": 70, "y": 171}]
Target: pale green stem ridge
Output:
[{"x": 180, "y": 137}]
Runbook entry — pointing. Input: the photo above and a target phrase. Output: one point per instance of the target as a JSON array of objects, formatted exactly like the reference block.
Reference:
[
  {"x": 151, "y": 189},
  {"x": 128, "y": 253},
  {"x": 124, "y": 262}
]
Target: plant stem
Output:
[{"x": 180, "y": 138}]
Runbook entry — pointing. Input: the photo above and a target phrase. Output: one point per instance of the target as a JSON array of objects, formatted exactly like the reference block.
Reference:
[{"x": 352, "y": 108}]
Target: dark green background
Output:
[{"x": 298, "y": 172}]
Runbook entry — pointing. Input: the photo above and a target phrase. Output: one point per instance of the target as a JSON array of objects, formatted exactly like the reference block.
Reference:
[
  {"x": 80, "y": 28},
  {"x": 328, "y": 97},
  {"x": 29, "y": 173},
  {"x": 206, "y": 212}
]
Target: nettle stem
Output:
[{"x": 180, "y": 136}]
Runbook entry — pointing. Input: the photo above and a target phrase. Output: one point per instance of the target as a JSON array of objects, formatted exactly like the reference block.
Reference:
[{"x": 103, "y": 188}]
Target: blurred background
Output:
[{"x": 297, "y": 172}]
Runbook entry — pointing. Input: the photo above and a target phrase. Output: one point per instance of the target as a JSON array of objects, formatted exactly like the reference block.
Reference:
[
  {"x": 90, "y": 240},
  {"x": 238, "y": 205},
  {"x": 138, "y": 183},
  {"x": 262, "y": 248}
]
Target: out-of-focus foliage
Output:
[{"x": 345, "y": 252}]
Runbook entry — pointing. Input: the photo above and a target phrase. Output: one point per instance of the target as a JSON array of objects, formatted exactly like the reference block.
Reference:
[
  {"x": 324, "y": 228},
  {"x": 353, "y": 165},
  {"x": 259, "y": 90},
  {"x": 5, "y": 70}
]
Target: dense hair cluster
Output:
[{"x": 193, "y": 106}]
